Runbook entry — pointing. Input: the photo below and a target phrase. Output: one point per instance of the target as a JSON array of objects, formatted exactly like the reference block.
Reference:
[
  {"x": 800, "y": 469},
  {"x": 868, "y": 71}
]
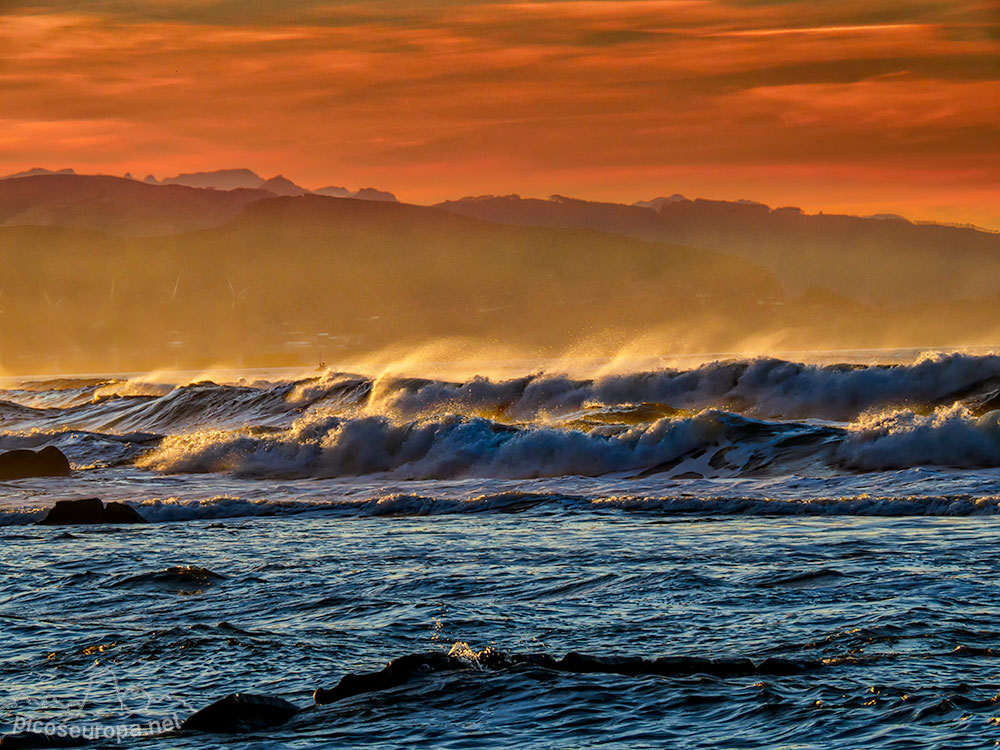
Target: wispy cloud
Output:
[{"x": 617, "y": 98}]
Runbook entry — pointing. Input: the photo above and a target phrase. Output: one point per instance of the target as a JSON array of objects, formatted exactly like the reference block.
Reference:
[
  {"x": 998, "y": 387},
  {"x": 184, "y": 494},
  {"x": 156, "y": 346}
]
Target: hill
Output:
[
  {"x": 346, "y": 275},
  {"x": 871, "y": 260},
  {"x": 99, "y": 270},
  {"x": 116, "y": 205}
]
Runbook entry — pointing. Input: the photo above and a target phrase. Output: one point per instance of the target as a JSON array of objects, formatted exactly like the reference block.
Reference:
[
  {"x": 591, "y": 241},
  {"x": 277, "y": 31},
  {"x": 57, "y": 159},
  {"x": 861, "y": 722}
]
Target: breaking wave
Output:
[
  {"x": 707, "y": 444},
  {"x": 763, "y": 387},
  {"x": 459, "y": 446},
  {"x": 405, "y": 505},
  {"x": 739, "y": 418}
]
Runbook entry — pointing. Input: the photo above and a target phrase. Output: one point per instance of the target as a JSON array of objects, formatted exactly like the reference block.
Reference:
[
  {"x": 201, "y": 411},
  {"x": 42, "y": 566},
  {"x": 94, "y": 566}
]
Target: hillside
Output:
[
  {"x": 100, "y": 270},
  {"x": 290, "y": 276},
  {"x": 883, "y": 261},
  {"x": 116, "y": 205}
]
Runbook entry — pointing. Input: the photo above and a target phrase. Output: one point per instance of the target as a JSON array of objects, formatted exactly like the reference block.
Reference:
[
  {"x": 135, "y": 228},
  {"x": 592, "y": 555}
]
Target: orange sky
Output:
[{"x": 836, "y": 106}]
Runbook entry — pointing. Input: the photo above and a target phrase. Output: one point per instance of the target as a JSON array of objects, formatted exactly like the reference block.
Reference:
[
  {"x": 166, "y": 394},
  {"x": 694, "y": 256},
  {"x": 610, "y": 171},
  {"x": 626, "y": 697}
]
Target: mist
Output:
[{"x": 299, "y": 282}]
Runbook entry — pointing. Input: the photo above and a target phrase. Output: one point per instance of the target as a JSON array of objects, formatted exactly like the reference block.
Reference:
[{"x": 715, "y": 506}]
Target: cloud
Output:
[{"x": 429, "y": 97}]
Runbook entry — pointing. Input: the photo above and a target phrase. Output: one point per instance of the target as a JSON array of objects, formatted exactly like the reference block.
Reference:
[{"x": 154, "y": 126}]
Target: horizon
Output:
[
  {"x": 162, "y": 180},
  {"x": 833, "y": 108}
]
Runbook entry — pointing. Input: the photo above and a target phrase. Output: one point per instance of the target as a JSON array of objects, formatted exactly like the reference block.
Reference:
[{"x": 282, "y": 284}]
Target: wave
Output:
[
  {"x": 762, "y": 387},
  {"x": 459, "y": 446},
  {"x": 951, "y": 436},
  {"x": 173, "y": 510},
  {"x": 178, "y": 409},
  {"x": 723, "y": 419},
  {"x": 709, "y": 444},
  {"x": 83, "y": 448},
  {"x": 461, "y": 657}
]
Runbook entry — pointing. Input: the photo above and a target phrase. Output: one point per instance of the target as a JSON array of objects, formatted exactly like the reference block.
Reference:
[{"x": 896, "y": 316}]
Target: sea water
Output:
[{"x": 840, "y": 517}]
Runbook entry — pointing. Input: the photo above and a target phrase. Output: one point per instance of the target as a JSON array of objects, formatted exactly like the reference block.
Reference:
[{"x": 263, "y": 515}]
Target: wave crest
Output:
[{"x": 450, "y": 446}]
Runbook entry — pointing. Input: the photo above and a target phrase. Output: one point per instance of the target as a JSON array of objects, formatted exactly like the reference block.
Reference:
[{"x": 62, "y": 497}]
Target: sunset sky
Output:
[{"x": 837, "y": 106}]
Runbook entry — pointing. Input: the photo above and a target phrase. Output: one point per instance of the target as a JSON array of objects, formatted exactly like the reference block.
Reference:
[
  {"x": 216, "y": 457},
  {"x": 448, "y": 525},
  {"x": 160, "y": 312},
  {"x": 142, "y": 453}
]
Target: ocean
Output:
[{"x": 730, "y": 554}]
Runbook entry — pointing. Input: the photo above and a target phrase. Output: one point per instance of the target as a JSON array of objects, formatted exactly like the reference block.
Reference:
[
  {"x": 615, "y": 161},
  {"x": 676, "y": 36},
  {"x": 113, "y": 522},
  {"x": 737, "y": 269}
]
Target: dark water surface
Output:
[
  {"x": 842, "y": 515},
  {"x": 906, "y": 610}
]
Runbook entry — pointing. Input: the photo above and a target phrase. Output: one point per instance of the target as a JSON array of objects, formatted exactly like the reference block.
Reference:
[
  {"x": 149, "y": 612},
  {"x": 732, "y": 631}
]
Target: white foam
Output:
[{"x": 405, "y": 504}]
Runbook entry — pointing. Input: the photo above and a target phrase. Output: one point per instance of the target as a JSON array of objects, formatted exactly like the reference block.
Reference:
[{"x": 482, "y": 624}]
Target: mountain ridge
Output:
[
  {"x": 357, "y": 275},
  {"x": 802, "y": 249}
]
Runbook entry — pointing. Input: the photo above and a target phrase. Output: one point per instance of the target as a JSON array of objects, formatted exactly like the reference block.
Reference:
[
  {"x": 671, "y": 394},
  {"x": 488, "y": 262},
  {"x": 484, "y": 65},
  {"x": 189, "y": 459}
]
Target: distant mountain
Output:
[
  {"x": 36, "y": 171},
  {"x": 334, "y": 192},
  {"x": 281, "y": 185},
  {"x": 366, "y": 274},
  {"x": 365, "y": 194},
  {"x": 125, "y": 206},
  {"x": 233, "y": 179},
  {"x": 219, "y": 179},
  {"x": 372, "y": 194},
  {"x": 539, "y": 275},
  {"x": 656, "y": 203},
  {"x": 870, "y": 260},
  {"x": 117, "y": 205}
]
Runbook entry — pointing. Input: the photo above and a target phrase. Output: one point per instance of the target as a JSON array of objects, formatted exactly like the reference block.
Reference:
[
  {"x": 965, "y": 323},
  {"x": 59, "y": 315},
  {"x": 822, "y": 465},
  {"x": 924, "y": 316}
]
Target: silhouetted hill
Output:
[
  {"x": 374, "y": 194},
  {"x": 232, "y": 179},
  {"x": 655, "y": 203},
  {"x": 871, "y": 260},
  {"x": 334, "y": 191},
  {"x": 281, "y": 185},
  {"x": 35, "y": 171},
  {"x": 356, "y": 274},
  {"x": 104, "y": 269},
  {"x": 117, "y": 205},
  {"x": 219, "y": 179},
  {"x": 368, "y": 194}
]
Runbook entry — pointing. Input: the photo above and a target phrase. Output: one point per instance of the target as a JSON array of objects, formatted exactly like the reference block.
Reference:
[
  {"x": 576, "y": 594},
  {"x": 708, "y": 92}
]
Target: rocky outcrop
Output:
[
  {"x": 402, "y": 670},
  {"x": 21, "y": 464},
  {"x": 241, "y": 712},
  {"x": 397, "y": 672},
  {"x": 90, "y": 511},
  {"x": 180, "y": 579}
]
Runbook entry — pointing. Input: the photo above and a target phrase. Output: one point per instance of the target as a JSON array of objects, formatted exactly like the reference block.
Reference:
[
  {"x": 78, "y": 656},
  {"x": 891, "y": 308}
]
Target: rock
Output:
[
  {"x": 402, "y": 670},
  {"x": 20, "y": 464},
  {"x": 181, "y": 579},
  {"x": 576, "y": 662},
  {"x": 782, "y": 667},
  {"x": 397, "y": 672},
  {"x": 241, "y": 712},
  {"x": 121, "y": 513},
  {"x": 88, "y": 511}
]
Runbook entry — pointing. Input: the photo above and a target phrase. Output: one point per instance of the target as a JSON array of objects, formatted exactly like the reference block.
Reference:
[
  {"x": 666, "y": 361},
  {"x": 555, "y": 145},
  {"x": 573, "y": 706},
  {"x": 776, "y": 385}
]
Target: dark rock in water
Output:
[
  {"x": 88, "y": 511},
  {"x": 241, "y": 712},
  {"x": 25, "y": 740},
  {"x": 181, "y": 579},
  {"x": 628, "y": 665},
  {"x": 397, "y": 672},
  {"x": 401, "y": 670},
  {"x": 20, "y": 464},
  {"x": 669, "y": 666},
  {"x": 776, "y": 666},
  {"x": 122, "y": 513}
]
